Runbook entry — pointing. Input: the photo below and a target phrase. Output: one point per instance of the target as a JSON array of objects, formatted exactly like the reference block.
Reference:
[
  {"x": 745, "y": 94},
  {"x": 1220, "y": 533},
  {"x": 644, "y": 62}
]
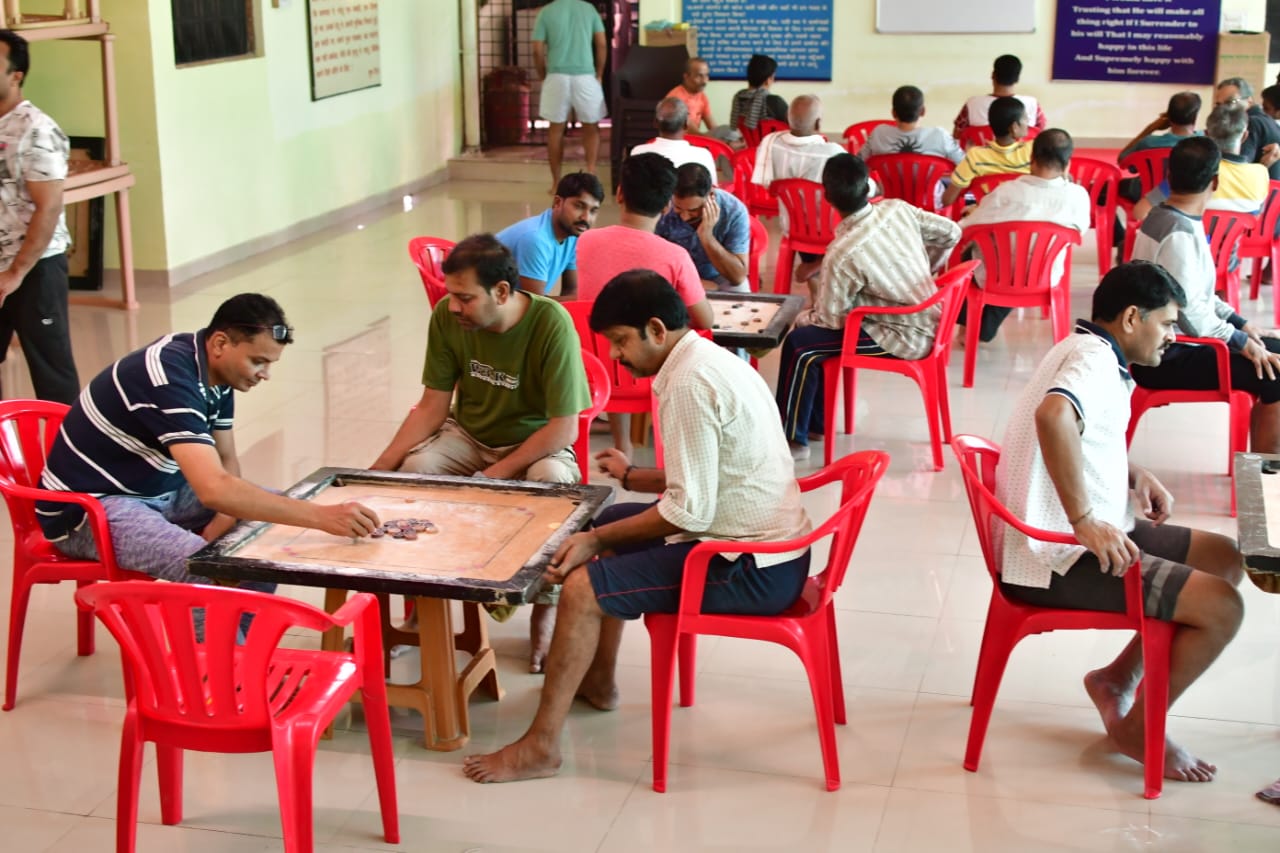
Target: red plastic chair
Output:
[
  {"x": 758, "y": 200},
  {"x": 808, "y": 627},
  {"x": 1018, "y": 258},
  {"x": 811, "y": 225},
  {"x": 1261, "y": 243},
  {"x": 718, "y": 149},
  {"x": 1150, "y": 166},
  {"x": 930, "y": 372},
  {"x": 1102, "y": 181},
  {"x": 1009, "y": 621},
  {"x": 217, "y": 696},
  {"x": 981, "y": 134},
  {"x": 752, "y": 136},
  {"x": 599, "y": 382},
  {"x": 856, "y": 135},
  {"x": 428, "y": 253},
  {"x": 911, "y": 177},
  {"x": 759, "y": 245},
  {"x": 982, "y": 185},
  {"x": 1226, "y": 228},
  {"x": 27, "y": 432},
  {"x": 1239, "y": 402}
]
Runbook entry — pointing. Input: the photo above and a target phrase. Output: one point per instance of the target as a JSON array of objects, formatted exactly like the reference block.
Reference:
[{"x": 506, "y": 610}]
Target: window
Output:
[{"x": 204, "y": 30}]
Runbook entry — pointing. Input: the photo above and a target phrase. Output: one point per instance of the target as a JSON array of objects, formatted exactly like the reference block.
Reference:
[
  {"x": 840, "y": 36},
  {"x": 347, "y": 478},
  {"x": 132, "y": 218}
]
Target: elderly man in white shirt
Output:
[
  {"x": 1045, "y": 195},
  {"x": 801, "y": 152},
  {"x": 727, "y": 476},
  {"x": 1065, "y": 468},
  {"x": 670, "y": 117}
]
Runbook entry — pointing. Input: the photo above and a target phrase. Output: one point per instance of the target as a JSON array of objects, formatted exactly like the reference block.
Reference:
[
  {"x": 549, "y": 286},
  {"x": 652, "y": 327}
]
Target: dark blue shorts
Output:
[{"x": 646, "y": 577}]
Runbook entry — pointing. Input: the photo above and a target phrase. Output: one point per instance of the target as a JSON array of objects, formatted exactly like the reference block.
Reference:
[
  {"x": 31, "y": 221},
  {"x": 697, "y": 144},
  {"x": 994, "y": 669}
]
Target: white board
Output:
[{"x": 947, "y": 16}]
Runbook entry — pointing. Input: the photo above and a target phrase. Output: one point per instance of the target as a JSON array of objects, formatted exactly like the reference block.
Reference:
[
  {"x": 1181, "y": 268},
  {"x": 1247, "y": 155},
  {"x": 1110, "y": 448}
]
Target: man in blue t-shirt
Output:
[
  {"x": 545, "y": 246},
  {"x": 712, "y": 226},
  {"x": 150, "y": 437}
]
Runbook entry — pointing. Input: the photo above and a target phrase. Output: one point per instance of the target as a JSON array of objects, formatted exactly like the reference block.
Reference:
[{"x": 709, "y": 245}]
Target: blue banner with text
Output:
[
  {"x": 796, "y": 34},
  {"x": 1137, "y": 41}
]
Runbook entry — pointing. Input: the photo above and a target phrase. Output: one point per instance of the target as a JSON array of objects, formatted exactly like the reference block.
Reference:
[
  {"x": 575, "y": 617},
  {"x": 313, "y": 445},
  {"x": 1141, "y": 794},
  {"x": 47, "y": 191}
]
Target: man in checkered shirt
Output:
[{"x": 727, "y": 475}]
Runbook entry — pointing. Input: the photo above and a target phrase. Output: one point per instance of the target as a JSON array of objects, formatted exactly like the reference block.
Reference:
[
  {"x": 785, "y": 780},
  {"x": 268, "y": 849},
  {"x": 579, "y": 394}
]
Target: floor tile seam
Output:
[
  {"x": 1089, "y": 707},
  {"x": 1141, "y": 806},
  {"x": 604, "y": 839}
]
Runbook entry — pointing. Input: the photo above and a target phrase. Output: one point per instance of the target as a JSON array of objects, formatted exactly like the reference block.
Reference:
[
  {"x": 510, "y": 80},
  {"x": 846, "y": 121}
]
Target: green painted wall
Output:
[{"x": 233, "y": 151}]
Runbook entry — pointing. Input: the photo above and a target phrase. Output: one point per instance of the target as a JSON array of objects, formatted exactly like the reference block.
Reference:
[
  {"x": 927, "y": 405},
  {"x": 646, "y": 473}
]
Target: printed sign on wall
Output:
[
  {"x": 344, "y": 46},
  {"x": 1137, "y": 41},
  {"x": 796, "y": 34}
]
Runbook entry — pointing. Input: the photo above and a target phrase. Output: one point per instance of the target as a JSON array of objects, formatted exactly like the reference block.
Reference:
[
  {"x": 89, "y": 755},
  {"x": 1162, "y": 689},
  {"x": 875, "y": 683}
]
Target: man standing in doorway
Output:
[
  {"x": 33, "y": 235},
  {"x": 569, "y": 52}
]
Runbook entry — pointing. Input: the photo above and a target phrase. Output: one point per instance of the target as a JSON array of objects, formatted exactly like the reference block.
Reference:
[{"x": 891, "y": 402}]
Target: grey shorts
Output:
[{"x": 1084, "y": 587}]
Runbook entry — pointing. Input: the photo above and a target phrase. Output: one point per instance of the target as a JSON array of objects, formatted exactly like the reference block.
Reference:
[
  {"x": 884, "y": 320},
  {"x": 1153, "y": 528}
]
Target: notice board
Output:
[
  {"x": 344, "y": 46},
  {"x": 796, "y": 34},
  {"x": 1137, "y": 41}
]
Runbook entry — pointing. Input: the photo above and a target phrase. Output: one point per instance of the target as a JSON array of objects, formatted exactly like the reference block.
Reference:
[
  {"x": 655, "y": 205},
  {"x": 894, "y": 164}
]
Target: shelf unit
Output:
[{"x": 81, "y": 20}]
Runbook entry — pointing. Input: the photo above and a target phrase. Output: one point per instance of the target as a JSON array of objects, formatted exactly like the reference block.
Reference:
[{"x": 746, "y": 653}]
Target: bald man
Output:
[
  {"x": 799, "y": 152},
  {"x": 670, "y": 117}
]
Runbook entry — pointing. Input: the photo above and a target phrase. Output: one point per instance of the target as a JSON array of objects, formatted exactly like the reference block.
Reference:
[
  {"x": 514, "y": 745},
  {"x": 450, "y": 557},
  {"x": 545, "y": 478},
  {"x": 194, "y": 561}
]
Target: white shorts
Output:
[{"x": 582, "y": 92}]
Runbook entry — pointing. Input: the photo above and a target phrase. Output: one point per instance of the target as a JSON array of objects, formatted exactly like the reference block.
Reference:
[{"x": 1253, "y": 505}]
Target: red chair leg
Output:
[
  {"x": 830, "y": 385},
  {"x": 293, "y": 751},
  {"x": 929, "y": 395},
  {"x": 1104, "y": 236},
  {"x": 662, "y": 663},
  {"x": 169, "y": 768},
  {"x": 127, "y": 784},
  {"x": 84, "y": 627},
  {"x": 687, "y": 653},
  {"x": 817, "y": 666},
  {"x": 973, "y": 321},
  {"x": 850, "y": 398},
  {"x": 1155, "y": 689},
  {"x": 782, "y": 275},
  {"x": 377, "y": 718},
  {"x": 944, "y": 401},
  {"x": 17, "y": 619},
  {"x": 837, "y": 676},
  {"x": 997, "y": 644}
]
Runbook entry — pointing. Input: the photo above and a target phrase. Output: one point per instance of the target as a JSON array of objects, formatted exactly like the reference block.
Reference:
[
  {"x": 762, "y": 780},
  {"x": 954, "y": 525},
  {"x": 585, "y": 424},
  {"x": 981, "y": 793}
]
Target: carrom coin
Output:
[
  {"x": 378, "y": 533},
  {"x": 397, "y": 533},
  {"x": 430, "y": 528},
  {"x": 410, "y": 534}
]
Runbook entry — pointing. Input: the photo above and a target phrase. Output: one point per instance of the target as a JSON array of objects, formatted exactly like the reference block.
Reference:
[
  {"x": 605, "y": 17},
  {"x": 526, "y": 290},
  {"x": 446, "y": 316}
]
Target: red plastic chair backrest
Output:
[
  {"x": 1224, "y": 229},
  {"x": 752, "y": 136},
  {"x": 856, "y": 135},
  {"x": 984, "y": 184},
  {"x": 1018, "y": 256},
  {"x": 758, "y": 199},
  {"x": 1150, "y": 166},
  {"x": 214, "y": 685},
  {"x": 717, "y": 148},
  {"x": 858, "y": 473},
  {"x": 28, "y": 429},
  {"x": 759, "y": 245},
  {"x": 811, "y": 219},
  {"x": 911, "y": 177},
  {"x": 620, "y": 379},
  {"x": 598, "y": 382},
  {"x": 428, "y": 253},
  {"x": 1265, "y": 230},
  {"x": 981, "y": 134},
  {"x": 1100, "y": 179}
]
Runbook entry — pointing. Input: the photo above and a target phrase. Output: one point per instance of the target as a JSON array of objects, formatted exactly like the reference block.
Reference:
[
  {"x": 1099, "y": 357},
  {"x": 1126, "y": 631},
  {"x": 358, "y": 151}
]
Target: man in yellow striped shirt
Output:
[{"x": 1008, "y": 152}]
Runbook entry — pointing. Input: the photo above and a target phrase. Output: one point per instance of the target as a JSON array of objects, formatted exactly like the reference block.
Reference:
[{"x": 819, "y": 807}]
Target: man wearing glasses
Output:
[
  {"x": 1262, "y": 141},
  {"x": 151, "y": 438}
]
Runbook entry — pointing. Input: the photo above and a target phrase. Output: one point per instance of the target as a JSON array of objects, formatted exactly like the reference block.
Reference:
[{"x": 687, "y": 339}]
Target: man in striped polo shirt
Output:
[{"x": 151, "y": 438}]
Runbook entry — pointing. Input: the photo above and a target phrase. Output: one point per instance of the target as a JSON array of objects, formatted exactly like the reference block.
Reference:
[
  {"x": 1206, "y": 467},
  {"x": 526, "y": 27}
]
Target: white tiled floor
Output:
[{"x": 745, "y": 769}]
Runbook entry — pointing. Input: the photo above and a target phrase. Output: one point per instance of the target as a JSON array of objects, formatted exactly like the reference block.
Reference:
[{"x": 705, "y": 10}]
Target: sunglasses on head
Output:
[{"x": 278, "y": 332}]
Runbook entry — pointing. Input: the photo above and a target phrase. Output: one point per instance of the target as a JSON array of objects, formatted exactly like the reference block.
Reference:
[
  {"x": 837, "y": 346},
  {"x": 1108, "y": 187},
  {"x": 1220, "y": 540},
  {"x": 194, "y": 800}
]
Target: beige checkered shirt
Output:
[{"x": 729, "y": 472}]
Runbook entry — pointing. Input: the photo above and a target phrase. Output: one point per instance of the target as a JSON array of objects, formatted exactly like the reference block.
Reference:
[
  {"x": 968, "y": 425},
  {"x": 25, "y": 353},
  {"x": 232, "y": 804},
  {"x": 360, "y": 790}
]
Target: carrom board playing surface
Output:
[
  {"x": 752, "y": 320},
  {"x": 492, "y": 539}
]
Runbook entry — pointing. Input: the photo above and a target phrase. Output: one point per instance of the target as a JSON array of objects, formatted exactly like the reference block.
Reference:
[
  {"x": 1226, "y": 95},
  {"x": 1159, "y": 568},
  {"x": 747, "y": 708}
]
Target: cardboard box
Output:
[
  {"x": 1244, "y": 55},
  {"x": 668, "y": 38}
]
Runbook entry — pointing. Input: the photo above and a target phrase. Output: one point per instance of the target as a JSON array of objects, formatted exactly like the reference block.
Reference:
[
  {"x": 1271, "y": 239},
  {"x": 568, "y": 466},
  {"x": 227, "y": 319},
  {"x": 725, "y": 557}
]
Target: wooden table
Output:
[
  {"x": 1257, "y": 485},
  {"x": 753, "y": 321},
  {"x": 492, "y": 543}
]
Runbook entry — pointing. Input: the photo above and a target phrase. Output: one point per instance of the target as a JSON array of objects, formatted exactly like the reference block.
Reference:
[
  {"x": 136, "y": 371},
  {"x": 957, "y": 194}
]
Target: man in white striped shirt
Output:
[
  {"x": 727, "y": 476},
  {"x": 151, "y": 438}
]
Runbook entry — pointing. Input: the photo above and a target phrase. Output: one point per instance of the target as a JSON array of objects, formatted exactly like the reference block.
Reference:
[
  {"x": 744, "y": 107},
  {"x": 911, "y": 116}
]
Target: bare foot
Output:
[
  {"x": 515, "y": 761},
  {"x": 1179, "y": 765},
  {"x": 600, "y": 694},
  {"x": 1113, "y": 700},
  {"x": 541, "y": 625}
]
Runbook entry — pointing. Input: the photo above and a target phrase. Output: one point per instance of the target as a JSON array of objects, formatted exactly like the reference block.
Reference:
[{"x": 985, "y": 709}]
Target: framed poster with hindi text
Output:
[{"x": 344, "y": 46}]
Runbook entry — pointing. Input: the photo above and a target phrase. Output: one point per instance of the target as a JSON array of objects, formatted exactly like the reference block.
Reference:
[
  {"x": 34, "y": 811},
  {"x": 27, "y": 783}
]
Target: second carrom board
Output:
[
  {"x": 492, "y": 539},
  {"x": 752, "y": 320}
]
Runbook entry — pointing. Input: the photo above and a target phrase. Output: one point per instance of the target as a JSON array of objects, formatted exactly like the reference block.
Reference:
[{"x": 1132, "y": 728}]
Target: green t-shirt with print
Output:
[
  {"x": 510, "y": 384},
  {"x": 568, "y": 27}
]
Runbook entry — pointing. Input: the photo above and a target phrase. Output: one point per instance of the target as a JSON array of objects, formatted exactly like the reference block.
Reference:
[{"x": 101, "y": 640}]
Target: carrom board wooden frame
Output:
[
  {"x": 789, "y": 306},
  {"x": 219, "y": 559},
  {"x": 1251, "y": 512}
]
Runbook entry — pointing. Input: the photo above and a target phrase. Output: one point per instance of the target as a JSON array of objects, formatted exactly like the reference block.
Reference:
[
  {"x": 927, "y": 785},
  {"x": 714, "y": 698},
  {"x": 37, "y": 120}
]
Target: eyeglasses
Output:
[{"x": 278, "y": 332}]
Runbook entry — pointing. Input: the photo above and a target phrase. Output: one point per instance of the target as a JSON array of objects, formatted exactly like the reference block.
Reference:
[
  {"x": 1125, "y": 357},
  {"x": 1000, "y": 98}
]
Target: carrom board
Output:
[
  {"x": 752, "y": 320},
  {"x": 493, "y": 538},
  {"x": 1258, "y": 510}
]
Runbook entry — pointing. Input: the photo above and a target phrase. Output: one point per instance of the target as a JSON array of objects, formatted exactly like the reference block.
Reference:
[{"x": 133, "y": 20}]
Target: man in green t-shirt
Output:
[
  {"x": 514, "y": 361},
  {"x": 569, "y": 53}
]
